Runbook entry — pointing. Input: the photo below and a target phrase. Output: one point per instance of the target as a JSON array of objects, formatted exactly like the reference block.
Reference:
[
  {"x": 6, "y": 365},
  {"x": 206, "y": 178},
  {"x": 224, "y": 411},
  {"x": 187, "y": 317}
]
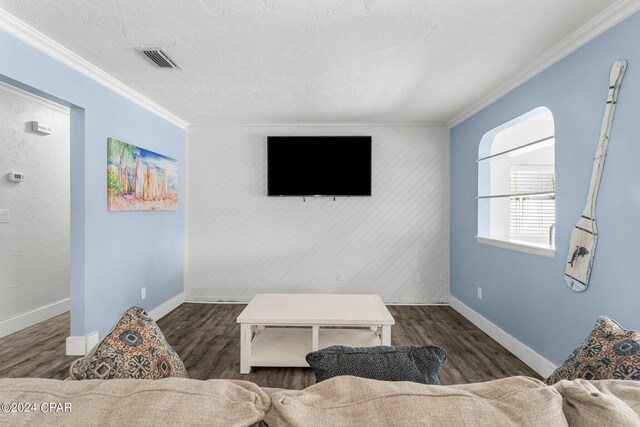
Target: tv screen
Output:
[{"x": 319, "y": 166}]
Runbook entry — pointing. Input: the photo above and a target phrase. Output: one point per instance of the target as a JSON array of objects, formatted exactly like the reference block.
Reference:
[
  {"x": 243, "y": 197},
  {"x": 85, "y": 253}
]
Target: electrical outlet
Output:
[
  {"x": 418, "y": 278},
  {"x": 340, "y": 276},
  {"x": 479, "y": 292},
  {"x": 143, "y": 293},
  {"x": 443, "y": 276},
  {"x": 4, "y": 215}
]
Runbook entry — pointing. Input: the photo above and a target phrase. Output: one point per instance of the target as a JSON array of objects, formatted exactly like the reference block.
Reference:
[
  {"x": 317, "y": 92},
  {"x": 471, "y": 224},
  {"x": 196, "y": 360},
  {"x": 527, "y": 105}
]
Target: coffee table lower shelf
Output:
[{"x": 287, "y": 347}]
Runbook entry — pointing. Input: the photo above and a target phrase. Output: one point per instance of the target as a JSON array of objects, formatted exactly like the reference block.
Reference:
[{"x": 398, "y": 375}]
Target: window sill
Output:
[{"x": 520, "y": 247}]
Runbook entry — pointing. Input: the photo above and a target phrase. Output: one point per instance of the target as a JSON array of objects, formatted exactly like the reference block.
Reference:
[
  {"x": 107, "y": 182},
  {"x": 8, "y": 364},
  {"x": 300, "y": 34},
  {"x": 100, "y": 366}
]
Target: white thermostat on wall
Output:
[
  {"x": 38, "y": 127},
  {"x": 16, "y": 177}
]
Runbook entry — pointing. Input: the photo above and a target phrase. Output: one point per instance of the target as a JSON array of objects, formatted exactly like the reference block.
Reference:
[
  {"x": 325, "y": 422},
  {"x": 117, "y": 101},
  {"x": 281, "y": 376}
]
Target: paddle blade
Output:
[{"x": 580, "y": 258}]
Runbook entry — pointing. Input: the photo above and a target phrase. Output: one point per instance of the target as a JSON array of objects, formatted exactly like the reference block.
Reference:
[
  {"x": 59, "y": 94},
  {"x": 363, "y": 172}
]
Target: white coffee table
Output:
[{"x": 316, "y": 321}]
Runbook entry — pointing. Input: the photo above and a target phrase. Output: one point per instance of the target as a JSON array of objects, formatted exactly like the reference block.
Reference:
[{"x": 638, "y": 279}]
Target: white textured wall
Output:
[
  {"x": 240, "y": 242},
  {"x": 34, "y": 246}
]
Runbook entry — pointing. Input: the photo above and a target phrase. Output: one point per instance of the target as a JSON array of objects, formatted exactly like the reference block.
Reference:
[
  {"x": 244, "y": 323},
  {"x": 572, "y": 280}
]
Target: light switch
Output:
[{"x": 4, "y": 215}]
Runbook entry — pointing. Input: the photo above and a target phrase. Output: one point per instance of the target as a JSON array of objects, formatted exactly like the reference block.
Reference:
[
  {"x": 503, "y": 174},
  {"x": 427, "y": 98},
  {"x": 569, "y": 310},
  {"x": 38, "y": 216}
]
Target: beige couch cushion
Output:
[
  {"x": 601, "y": 403},
  {"x": 346, "y": 400},
  {"x": 170, "y": 402}
]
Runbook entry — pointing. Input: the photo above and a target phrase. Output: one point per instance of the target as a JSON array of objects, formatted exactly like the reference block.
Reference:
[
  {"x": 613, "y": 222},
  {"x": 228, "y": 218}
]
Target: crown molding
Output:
[
  {"x": 593, "y": 28},
  {"x": 315, "y": 125},
  {"x": 34, "y": 98},
  {"x": 55, "y": 50}
]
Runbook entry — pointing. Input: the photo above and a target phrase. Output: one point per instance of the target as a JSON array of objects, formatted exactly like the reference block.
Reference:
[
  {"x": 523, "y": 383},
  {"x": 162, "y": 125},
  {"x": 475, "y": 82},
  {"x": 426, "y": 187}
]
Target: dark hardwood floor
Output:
[
  {"x": 37, "y": 351},
  {"x": 206, "y": 336}
]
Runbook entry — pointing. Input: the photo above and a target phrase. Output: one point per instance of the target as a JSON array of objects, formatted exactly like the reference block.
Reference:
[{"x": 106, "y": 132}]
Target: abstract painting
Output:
[{"x": 139, "y": 179}]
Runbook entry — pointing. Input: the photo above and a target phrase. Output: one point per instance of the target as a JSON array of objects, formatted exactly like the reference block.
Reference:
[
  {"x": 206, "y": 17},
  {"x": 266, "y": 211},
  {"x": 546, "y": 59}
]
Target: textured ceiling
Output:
[{"x": 311, "y": 61}]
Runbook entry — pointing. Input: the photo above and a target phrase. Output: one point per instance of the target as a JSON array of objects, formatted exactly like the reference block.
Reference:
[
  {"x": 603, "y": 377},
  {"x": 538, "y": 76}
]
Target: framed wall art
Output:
[{"x": 139, "y": 179}]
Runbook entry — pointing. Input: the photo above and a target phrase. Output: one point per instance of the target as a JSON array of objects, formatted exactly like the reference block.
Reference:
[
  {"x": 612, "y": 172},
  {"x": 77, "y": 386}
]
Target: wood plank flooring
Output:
[
  {"x": 206, "y": 336},
  {"x": 37, "y": 351}
]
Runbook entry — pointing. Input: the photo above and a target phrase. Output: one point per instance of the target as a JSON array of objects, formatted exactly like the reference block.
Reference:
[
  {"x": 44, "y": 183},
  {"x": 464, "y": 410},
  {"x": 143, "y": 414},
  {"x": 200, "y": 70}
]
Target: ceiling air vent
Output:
[{"x": 158, "y": 56}]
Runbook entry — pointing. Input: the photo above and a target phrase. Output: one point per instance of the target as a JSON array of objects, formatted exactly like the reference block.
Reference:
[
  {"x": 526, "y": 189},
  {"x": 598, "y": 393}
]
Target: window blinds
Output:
[{"x": 532, "y": 201}]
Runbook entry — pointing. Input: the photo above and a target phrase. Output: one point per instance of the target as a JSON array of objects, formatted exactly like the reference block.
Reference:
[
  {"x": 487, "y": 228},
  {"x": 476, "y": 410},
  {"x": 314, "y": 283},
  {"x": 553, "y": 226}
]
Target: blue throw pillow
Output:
[{"x": 419, "y": 364}]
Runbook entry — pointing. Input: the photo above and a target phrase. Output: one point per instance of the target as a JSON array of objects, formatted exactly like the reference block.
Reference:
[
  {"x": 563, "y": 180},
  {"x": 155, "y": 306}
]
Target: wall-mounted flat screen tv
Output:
[{"x": 319, "y": 166}]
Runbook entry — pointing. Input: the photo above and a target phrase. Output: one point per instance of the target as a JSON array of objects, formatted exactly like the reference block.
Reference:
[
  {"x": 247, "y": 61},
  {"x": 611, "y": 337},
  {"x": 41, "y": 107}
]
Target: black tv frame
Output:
[{"x": 322, "y": 195}]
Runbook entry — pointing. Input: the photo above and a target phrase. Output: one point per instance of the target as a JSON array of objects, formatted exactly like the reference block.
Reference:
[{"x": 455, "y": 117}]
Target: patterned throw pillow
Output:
[
  {"x": 419, "y": 364},
  {"x": 135, "y": 348},
  {"x": 609, "y": 352},
  {"x": 568, "y": 369}
]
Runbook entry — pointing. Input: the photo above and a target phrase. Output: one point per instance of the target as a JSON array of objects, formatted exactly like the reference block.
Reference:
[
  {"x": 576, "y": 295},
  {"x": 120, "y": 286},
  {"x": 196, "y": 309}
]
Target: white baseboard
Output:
[
  {"x": 81, "y": 346},
  {"x": 166, "y": 307},
  {"x": 32, "y": 317},
  {"x": 534, "y": 360},
  {"x": 218, "y": 300},
  {"x": 233, "y": 300}
]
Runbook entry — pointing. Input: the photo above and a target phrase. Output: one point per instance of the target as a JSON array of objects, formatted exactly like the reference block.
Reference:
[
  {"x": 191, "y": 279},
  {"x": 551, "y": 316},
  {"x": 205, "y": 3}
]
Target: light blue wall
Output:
[
  {"x": 525, "y": 294},
  {"x": 114, "y": 254}
]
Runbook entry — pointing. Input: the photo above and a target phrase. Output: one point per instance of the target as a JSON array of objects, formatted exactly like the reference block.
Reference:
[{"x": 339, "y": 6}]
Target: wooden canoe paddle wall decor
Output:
[{"x": 582, "y": 245}]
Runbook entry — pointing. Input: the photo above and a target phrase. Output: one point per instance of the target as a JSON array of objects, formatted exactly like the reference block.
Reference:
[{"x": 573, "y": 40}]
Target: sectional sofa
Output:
[{"x": 340, "y": 401}]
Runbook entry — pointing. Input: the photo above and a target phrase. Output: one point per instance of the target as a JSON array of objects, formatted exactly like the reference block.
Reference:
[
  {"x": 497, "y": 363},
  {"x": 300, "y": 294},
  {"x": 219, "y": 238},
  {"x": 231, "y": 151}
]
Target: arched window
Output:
[{"x": 516, "y": 184}]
